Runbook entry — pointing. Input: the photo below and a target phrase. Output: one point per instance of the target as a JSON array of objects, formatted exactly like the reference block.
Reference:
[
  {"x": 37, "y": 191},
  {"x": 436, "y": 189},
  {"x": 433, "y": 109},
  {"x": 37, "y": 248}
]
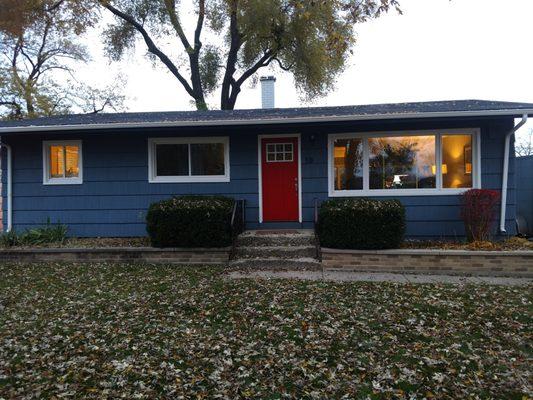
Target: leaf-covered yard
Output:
[{"x": 133, "y": 331}]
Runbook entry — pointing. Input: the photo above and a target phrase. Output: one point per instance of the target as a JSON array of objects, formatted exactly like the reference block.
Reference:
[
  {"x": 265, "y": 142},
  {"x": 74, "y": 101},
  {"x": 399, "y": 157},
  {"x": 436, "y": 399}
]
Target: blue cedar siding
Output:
[
  {"x": 115, "y": 194},
  {"x": 524, "y": 186}
]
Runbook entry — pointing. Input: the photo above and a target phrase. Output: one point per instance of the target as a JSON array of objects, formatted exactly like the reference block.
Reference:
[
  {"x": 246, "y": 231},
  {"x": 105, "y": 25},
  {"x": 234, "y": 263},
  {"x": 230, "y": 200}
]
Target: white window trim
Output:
[
  {"x": 366, "y": 192},
  {"x": 152, "y": 169},
  {"x": 47, "y": 180}
]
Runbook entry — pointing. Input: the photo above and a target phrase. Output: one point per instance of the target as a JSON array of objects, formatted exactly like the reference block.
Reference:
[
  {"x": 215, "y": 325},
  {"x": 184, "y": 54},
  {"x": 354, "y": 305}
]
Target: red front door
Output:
[{"x": 279, "y": 174}]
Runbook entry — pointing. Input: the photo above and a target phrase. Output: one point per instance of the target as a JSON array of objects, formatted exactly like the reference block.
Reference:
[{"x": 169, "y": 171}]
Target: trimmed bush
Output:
[
  {"x": 477, "y": 211},
  {"x": 190, "y": 221},
  {"x": 362, "y": 224}
]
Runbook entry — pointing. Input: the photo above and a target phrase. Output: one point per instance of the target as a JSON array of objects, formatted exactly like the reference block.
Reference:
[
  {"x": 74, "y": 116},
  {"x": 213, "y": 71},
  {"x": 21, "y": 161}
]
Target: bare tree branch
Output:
[
  {"x": 152, "y": 48},
  {"x": 199, "y": 25},
  {"x": 171, "y": 9},
  {"x": 524, "y": 144}
]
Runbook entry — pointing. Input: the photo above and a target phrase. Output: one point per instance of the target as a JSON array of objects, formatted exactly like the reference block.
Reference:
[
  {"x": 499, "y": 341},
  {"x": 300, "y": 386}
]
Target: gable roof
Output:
[{"x": 433, "y": 109}]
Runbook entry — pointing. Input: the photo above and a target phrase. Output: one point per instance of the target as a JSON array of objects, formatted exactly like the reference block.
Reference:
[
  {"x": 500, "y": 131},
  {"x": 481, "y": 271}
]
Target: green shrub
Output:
[
  {"x": 361, "y": 224},
  {"x": 45, "y": 234},
  {"x": 190, "y": 221},
  {"x": 49, "y": 233},
  {"x": 9, "y": 239}
]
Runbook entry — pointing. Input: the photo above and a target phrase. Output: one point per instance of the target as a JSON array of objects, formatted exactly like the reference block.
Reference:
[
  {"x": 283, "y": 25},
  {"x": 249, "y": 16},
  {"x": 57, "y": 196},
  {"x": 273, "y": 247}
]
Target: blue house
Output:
[{"x": 99, "y": 173}]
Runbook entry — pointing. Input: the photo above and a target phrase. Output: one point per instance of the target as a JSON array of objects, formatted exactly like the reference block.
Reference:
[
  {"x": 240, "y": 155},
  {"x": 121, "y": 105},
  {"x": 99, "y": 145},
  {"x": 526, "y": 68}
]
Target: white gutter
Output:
[
  {"x": 259, "y": 121},
  {"x": 9, "y": 186},
  {"x": 505, "y": 171}
]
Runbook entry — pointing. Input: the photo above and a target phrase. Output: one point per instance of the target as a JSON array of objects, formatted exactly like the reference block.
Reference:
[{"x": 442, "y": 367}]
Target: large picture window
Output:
[
  {"x": 407, "y": 163},
  {"x": 189, "y": 159},
  {"x": 403, "y": 162},
  {"x": 62, "y": 162}
]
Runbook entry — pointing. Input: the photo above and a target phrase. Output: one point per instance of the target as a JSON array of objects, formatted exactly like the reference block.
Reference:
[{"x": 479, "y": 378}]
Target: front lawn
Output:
[{"x": 133, "y": 331}]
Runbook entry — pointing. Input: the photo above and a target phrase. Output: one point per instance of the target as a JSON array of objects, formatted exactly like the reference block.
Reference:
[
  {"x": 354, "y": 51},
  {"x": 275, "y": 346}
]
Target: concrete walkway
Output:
[{"x": 342, "y": 276}]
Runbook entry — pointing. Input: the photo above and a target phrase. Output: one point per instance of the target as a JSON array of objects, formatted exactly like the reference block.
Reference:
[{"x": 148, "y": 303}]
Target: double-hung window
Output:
[
  {"x": 406, "y": 163},
  {"x": 62, "y": 162},
  {"x": 202, "y": 159}
]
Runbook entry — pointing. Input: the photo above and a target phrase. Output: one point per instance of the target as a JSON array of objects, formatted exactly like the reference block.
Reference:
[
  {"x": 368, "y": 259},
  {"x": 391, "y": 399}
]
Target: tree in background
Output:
[
  {"x": 38, "y": 39},
  {"x": 312, "y": 39},
  {"x": 524, "y": 144}
]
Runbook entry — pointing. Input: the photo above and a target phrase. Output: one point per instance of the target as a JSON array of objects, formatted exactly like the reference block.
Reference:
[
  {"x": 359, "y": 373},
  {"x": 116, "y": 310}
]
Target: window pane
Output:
[
  {"x": 72, "y": 162},
  {"x": 348, "y": 164},
  {"x": 172, "y": 159},
  {"x": 207, "y": 159},
  {"x": 57, "y": 162},
  {"x": 456, "y": 161},
  {"x": 405, "y": 162}
]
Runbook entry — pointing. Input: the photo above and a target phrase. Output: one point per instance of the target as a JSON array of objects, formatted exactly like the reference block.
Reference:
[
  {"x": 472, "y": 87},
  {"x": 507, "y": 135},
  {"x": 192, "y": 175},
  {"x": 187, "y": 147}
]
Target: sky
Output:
[{"x": 436, "y": 50}]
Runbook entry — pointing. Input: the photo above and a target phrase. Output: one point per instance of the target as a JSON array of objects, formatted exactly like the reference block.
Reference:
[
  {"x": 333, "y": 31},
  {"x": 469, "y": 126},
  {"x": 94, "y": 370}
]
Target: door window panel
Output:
[{"x": 279, "y": 152}]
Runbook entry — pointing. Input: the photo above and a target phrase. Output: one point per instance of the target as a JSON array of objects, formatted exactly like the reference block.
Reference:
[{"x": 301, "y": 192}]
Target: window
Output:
[
  {"x": 456, "y": 161},
  {"x": 348, "y": 164},
  {"x": 188, "y": 159},
  {"x": 62, "y": 162},
  {"x": 410, "y": 163},
  {"x": 279, "y": 152},
  {"x": 402, "y": 162}
]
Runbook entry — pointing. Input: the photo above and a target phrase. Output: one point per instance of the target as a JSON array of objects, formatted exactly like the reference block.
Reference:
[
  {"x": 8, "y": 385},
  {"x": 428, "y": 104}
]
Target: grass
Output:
[{"x": 134, "y": 331}]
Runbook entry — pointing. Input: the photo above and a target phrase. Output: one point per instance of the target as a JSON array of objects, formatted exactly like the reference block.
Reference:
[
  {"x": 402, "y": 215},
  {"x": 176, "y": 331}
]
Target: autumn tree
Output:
[
  {"x": 230, "y": 40},
  {"x": 524, "y": 144},
  {"x": 39, "y": 42}
]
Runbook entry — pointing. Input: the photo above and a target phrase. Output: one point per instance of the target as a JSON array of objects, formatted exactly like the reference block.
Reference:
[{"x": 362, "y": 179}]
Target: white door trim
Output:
[{"x": 260, "y": 172}]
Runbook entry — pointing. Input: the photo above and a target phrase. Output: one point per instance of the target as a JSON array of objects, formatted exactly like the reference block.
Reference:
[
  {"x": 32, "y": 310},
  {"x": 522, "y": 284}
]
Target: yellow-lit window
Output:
[
  {"x": 403, "y": 163},
  {"x": 348, "y": 164},
  {"x": 456, "y": 161},
  {"x": 57, "y": 162},
  {"x": 72, "y": 168},
  {"x": 62, "y": 162}
]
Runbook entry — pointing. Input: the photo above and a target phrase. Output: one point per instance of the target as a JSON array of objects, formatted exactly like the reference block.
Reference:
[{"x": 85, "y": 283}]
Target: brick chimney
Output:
[{"x": 268, "y": 84}]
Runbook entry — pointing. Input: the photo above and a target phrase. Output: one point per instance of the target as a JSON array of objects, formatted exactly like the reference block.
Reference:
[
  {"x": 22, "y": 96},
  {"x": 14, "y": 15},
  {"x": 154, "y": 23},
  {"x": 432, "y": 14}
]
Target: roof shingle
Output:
[{"x": 277, "y": 115}]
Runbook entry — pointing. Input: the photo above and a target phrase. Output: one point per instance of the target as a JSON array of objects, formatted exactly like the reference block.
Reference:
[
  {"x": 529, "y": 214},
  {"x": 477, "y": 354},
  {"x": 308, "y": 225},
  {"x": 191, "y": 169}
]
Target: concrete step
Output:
[
  {"x": 276, "y": 264},
  {"x": 272, "y": 241},
  {"x": 279, "y": 232},
  {"x": 281, "y": 252}
]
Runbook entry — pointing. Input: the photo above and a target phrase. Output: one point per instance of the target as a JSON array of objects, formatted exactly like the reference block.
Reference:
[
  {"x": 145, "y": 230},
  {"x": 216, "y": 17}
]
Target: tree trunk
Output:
[
  {"x": 28, "y": 98},
  {"x": 196, "y": 81},
  {"x": 228, "y": 83}
]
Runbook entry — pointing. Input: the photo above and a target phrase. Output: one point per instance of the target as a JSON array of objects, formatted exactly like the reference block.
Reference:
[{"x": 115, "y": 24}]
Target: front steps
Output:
[{"x": 292, "y": 249}]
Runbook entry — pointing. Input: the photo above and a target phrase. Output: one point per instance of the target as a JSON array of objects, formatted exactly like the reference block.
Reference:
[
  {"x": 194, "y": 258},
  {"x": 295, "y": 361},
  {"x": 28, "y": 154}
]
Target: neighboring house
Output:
[
  {"x": 524, "y": 193},
  {"x": 99, "y": 173}
]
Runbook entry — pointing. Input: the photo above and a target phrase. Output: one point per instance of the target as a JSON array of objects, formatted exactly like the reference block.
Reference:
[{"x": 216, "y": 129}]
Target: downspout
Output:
[
  {"x": 9, "y": 182},
  {"x": 505, "y": 172}
]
